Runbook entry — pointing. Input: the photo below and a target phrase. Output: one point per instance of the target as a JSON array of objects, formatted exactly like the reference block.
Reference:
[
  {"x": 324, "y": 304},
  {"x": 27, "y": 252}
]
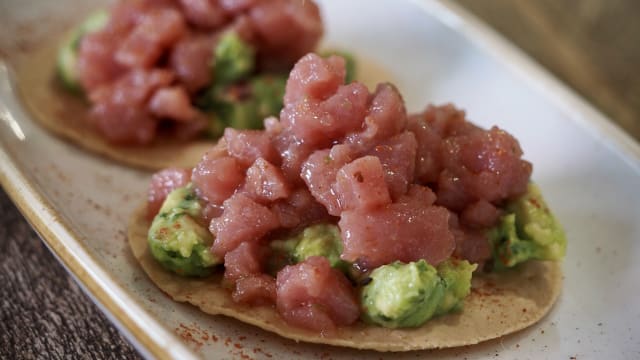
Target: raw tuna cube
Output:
[
  {"x": 312, "y": 295},
  {"x": 242, "y": 220},
  {"x": 361, "y": 185},
  {"x": 265, "y": 182}
]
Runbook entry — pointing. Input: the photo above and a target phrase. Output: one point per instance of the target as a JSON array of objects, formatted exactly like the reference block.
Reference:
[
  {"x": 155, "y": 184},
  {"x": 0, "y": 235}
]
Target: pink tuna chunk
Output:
[
  {"x": 299, "y": 209},
  {"x": 216, "y": 179},
  {"x": 319, "y": 174},
  {"x": 249, "y": 145},
  {"x": 172, "y": 102},
  {"x": 157, "y": 32},
  {"x": 386, "y": 117},
  {"x": 471, "y": 244},
  {"x": 124, "y": 124},
  {"x": 134, "y": 88},
  {"x": 400, "y": 231},
  {"x": 162, "y": 183},
  {"x": 361, "y": 185},
  {"x": 285, "y": 31},
  {"x": 206, "y": 14},
  {"x": 397, "y": 156},
  {"x": 242, "y": 220},
  {"x": 320, "y": 123},
  {"x": 314, "y": 296},
  {"x": 119, "y": 109},
  {"x": 191, "y": 60},
  {"x": 483, "y": 165},
  {"x": 265, "y": 182},
  {"x": 315, "y": 78},
  {"x": 480, "y": 214},
  {"x": 258, "y": 289},
  {"x": 245, "y": 260},
  {"x": 96, "y": 65}
]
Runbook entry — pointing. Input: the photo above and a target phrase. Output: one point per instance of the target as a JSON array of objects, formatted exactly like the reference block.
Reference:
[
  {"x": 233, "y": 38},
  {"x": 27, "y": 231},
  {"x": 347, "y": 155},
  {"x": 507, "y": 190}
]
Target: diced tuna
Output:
[
  {"x": 249, "y": 145},
  {"x": 236, "y": 6},
  {"x": 157, "y": 32},
  {"x": 216, "y": 179},
  {"x": 245, "y": 260},
  {"x": 242, "y": 220},
  {"x": 96, "y": 65},
  {"x": 314, "y": 296},
  {"x": 480, "y": 214},
  {"x": 320, "y": 123},
  {"x": 191, "y": 60},
  {"x": 418, "y": 194},
  {"x": 361, "y": 185},
  {"x": 319, "y": 174},
  {"x": 299, "y": 209},
  {"x": 428, "y": 153},
  {"x": 315, "y": 78},
  {"x": 207, "y": 14},
  {"x": 471, "y": 244},
  {"x": 397, "y": 156},
  {"x": 482, "y": 165},
  {"x": 134, "y": 88},
  {"x": 265, "y": 182},
  {"x": 293, "y": 154},
  {"x": 162, "y": 183},
  {"x": 124, "y": 124},
  {"x": 286, "y": 30},
  {"x": 259, "y": 289},
  {"x": 400, "y": 231},
  {"x": 172, "y": 102},
  {"x": 386, "y": 117}
]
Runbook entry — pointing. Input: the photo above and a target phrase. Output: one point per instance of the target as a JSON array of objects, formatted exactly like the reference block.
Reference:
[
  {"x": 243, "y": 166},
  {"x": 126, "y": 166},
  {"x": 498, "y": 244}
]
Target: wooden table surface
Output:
[{"x": 592, "y": 45}]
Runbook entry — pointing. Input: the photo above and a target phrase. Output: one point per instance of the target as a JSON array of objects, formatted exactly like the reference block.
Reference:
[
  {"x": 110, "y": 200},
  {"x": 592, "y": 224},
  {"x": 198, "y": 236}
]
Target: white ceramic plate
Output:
[{"x": 588, "y": 169}]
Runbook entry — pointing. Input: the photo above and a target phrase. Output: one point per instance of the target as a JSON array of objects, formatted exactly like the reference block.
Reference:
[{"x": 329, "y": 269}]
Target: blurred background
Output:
[{"x": 591, "y": 45}]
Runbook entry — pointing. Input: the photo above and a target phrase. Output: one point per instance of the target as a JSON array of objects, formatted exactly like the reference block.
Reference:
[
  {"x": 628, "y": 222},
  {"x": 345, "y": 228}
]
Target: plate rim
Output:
[{"x": 147, "y": 334}]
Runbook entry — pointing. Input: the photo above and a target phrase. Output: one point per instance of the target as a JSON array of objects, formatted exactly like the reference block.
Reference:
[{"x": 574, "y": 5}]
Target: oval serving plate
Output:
[{"x": 588, "y": 169}]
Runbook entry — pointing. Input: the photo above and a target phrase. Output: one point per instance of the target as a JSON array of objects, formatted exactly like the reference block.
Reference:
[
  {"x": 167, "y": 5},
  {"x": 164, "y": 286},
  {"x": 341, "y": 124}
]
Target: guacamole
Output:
[
  {"x": 528, "y": 231},
  {"x": 178, "y": 240}
]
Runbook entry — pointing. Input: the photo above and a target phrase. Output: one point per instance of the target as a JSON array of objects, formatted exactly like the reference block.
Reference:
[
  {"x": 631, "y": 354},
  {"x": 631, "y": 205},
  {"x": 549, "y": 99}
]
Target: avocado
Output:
[
  {"x": 234, "y": 59},
  {"x": 244, "y": 105},
  {"x": 315, "y": 240},
  {"x": 408, "y": 294},
  {"x": 267, "y": 90},
  {"x": 528, "y": 231},
  {"x": 177, "y": 238}
]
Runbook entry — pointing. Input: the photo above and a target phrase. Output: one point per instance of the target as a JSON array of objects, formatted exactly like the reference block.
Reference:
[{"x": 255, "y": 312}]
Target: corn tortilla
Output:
[
  {"x": 498, "y": 305},
  {"x": 66, "y": 115}
]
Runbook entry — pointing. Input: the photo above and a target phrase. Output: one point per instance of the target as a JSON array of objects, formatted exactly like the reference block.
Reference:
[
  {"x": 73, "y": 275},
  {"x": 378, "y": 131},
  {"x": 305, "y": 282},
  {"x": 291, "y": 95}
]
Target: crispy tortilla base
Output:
[
  {"x": 497, "y": 305},
  {"x": 66, "y": 115}
]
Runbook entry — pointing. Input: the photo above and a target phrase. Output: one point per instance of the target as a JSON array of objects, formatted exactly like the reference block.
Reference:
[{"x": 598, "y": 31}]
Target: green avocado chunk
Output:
[
  {"x": 244, "y": 105},
  {"x": 178, "y": 240},
  {"x": 315, "y": 240},
  {"x": 68, "y": 52},
  {"x": 528, "y": 231},
  {"x": 234, "y": 59},
  {"x": 408, "y": 294}
]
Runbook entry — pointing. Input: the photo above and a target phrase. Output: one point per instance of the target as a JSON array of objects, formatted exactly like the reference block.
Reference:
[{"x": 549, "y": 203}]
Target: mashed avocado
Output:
[
  {"x": 528, "y": 231},
  {"x": 407, "y": 295},
  {"x": 315, "y": 240},
  {"x": 68, "y": 52},
  {"x": 234, "y": 59},
  {"x": 244, "y": 105},
  {"x": 177, "y": 239}
]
